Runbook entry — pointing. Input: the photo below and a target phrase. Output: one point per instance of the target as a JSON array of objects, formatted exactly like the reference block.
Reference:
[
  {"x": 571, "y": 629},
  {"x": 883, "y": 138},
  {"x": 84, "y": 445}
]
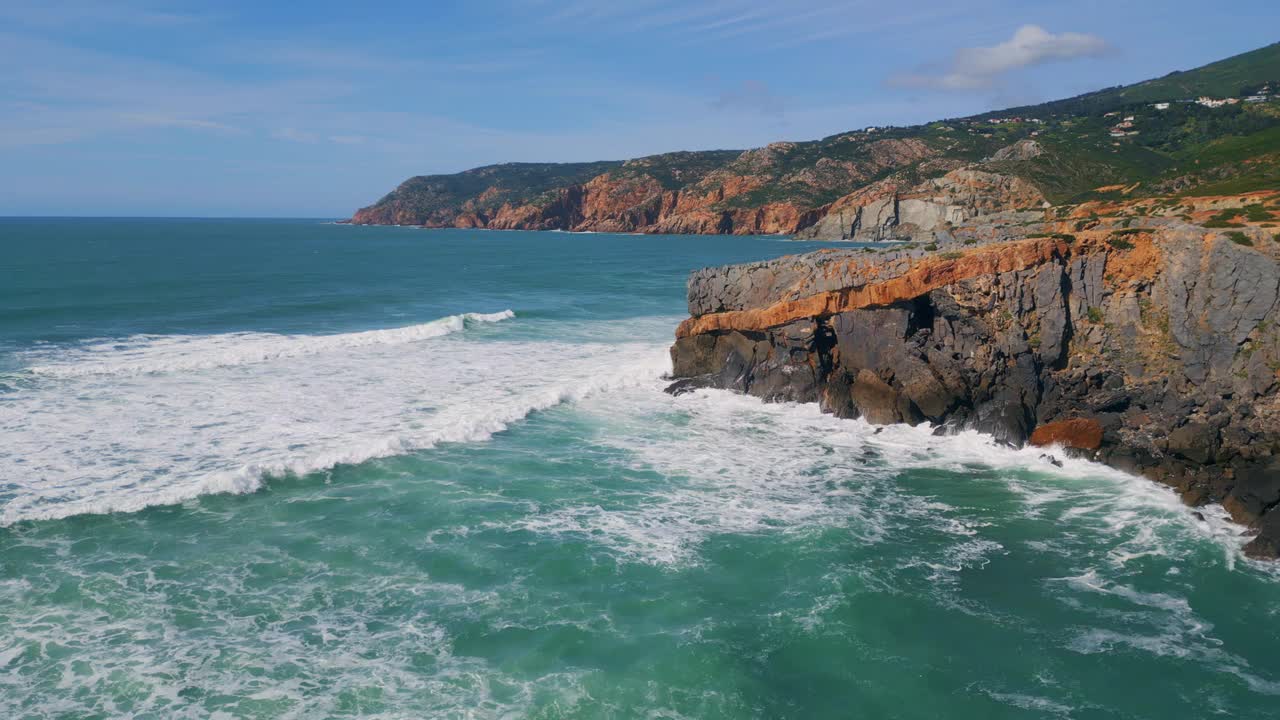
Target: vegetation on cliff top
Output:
[
  {"x": 1241, "y": 74},
  {"x": 509, "y": 182}
]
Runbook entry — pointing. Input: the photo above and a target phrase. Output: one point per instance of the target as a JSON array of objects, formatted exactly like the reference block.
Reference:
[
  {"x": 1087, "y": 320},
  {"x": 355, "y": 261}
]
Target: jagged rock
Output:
[
  {"x": 1266, "y": 545},
  {"x": 1257, "y": 490},
  {"x": 681, "y": 192},
  {"x": 887, "y": 210},
  {"x": 1194, "y": 441},
  {"x": 1021, "y": 150}
]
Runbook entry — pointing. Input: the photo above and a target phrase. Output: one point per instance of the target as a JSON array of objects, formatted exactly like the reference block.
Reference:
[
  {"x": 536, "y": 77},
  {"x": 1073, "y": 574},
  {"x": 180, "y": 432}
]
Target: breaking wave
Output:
[
  {"x": 161, "y": 420},
  {"x": 141, "y": 354}
]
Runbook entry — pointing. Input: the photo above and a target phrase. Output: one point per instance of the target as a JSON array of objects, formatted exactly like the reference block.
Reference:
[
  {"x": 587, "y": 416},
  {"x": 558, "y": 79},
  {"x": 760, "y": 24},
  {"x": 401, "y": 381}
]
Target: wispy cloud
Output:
[
  {"x": 295, "y": 135},
  {"x": 303, "y": 136},
  {"x": 980, "y": 68},
  {"x": 752, "y": 96},
  {"x": 65, "y": 13},
  {"x": 777, "y": 24},
  {"x": 333, "y": 58},
  {"x": 63, "y": 93},
  {"x": 172, "y": 121}
]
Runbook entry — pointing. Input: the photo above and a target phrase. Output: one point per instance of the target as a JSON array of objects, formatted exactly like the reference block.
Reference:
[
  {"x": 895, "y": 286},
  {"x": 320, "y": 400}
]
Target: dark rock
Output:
[
  {"x": 1266, "y": 545},
  {"x": 836, "y": 396},
  {"x": 1108, "y": 401},
  {"x": 1054, "y": 326},
  {"x": 1256, "y": 491},
  {"x": 688, "y": 385},
  {"x": 1004, "y": 419},
  {"x": 1194, "y": 441}
]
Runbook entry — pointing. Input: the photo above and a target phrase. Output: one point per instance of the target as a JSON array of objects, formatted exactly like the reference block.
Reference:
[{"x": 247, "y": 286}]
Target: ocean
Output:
[{"x": 291, "y": 469}]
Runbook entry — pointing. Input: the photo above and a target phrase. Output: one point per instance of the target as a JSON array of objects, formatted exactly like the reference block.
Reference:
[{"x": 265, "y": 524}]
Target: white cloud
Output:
[{"x": 983, "y": 67}]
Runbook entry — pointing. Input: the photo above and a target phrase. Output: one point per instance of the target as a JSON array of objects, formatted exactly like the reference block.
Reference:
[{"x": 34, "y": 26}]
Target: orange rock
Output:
[
  {"x": 1079, "y": 433},
  {"x": 931, "y": 273}
]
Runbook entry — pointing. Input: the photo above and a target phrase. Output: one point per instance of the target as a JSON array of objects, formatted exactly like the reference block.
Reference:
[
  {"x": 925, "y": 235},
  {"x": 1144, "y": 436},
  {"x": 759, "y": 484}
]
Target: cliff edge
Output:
[{"x": 1130, "y": 333}]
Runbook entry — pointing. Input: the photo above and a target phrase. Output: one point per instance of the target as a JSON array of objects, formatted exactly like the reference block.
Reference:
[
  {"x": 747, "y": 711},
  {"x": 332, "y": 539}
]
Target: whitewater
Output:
[
  {"x": 119, "y": 426},
  {"x": 354, "y": 472}
]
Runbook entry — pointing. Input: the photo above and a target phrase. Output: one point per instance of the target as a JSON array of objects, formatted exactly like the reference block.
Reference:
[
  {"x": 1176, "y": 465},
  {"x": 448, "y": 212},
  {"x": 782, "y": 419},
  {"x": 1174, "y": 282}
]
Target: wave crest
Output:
[{"x": 145, "y": 354}]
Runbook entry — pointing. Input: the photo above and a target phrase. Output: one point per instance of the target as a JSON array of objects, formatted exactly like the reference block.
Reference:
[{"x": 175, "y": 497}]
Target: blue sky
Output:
[{"x": 263, "y": 109}]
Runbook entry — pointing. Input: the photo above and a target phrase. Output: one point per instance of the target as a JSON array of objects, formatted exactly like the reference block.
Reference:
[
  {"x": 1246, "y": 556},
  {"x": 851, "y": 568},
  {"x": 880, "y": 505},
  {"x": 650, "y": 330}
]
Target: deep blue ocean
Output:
[{"x": 290, "y": 469}]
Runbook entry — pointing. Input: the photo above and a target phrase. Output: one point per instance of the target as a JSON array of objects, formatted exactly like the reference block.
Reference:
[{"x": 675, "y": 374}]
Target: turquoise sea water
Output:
[{"x": 287, "y": 469}]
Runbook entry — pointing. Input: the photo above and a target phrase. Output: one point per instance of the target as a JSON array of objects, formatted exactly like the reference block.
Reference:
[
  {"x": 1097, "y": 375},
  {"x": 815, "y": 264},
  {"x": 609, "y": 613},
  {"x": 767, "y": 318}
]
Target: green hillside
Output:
[
  {"x": 1225, "y": 78},
  {"x": 1110, "y": 137},
  {"x": 508, "y": 182}
]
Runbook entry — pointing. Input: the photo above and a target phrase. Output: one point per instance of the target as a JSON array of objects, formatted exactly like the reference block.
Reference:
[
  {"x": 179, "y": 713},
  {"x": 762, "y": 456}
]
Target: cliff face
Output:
[
  {"x": 733, "y": 199},
  {"x": 1148, "y": 343},
  {"x": 777, "y": 189}
]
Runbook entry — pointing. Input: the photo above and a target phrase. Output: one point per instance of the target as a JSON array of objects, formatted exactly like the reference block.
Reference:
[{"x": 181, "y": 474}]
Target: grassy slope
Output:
[
  {"x": 516, "y": 182},
  {"x": 1224, "y": 78}
]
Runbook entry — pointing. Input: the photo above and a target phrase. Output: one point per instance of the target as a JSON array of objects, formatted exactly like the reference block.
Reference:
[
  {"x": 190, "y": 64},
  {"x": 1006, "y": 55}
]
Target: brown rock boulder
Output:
[
  {"x": 879, "y": 403},
  {"x": 1078, "y": 433}
]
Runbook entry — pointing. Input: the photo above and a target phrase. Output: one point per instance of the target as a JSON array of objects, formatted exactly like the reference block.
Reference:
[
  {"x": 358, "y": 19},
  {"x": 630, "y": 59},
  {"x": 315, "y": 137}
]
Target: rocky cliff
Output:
[
  {"x": 1129, "y": 333},
  {"x": 777, "y": 189}
]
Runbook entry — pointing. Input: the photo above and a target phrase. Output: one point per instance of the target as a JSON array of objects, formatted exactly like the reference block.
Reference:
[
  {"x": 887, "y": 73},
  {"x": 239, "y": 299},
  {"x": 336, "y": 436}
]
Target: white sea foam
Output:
[
  {"x": 733, "y": 465},
  {"x": 743, "y": 466},
  {"x": 1160, "y": 624},
  {"x": 164, "y": 420},
  {"x": 304, "y": 658},
  {"x": 1034, "y": 703},
  {"x": 142, "y": 354}
]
